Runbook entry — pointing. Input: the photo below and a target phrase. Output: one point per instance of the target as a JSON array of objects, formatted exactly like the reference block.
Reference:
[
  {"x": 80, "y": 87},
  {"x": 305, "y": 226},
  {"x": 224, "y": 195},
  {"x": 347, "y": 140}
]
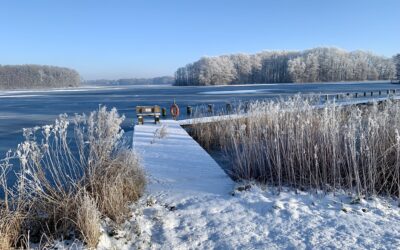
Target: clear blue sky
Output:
[{"x": 113, "y": 39}]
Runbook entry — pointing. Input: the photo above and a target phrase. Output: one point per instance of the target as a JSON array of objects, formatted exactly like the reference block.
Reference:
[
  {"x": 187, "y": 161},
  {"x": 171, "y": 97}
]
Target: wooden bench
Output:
[{"x": 142, "y": 111}]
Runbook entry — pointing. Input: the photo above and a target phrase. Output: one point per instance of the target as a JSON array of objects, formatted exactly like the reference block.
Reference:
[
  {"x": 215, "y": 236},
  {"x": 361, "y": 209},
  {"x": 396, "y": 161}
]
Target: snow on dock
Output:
[
  {"x": 177, "y": 164},
  {"x": 191, "y": 204}
]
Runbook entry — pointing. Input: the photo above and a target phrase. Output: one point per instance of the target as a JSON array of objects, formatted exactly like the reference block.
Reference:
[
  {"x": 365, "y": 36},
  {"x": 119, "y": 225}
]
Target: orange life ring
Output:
[{"x": 174, "y": 110}]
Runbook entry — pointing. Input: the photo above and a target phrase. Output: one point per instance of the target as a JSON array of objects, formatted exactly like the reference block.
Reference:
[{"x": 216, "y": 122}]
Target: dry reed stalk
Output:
[
  {"x": 291, "y": 142},
  {"x": 88, "y": 220}
]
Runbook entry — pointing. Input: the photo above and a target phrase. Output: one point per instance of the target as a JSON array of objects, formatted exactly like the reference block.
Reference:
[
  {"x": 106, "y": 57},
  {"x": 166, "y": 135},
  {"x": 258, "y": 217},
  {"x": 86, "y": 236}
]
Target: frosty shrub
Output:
[
  {"x": 294, "y": 143},
  {"x": 61, "y": 168},
  {"x": 117, "y": 183}
]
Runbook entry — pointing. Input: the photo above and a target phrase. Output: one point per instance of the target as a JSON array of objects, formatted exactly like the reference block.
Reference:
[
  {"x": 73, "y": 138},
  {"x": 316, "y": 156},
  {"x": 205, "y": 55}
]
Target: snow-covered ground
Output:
[
  {"x": 191, "y": 204},
  {"x": 260, "y": 218}
]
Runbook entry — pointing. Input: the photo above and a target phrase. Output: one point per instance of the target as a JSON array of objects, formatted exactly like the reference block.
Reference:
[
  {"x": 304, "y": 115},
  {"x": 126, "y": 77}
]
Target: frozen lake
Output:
[{"x": 22, "y": 109}]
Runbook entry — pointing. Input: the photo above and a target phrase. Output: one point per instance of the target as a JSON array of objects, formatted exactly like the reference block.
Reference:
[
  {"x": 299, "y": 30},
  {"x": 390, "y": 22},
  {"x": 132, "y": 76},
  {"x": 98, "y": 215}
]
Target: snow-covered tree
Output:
[
  {"x": 242, "y": 64},
  {"x": 319, "y": 64},
  {"x": 37, "y": 76},
  {"x": 397, "y": 63},
  {"x": 297, "y": 69}
]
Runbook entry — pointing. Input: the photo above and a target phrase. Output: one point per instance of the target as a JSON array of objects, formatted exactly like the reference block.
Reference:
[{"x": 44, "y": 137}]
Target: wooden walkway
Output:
[{"x": 177, "y": 166}]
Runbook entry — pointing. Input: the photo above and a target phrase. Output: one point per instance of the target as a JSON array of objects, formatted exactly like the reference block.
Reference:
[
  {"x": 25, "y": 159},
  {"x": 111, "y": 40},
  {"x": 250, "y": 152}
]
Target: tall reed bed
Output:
[
  {"x": 66, "y": 183},
  {"x": 294, "y": 143}
]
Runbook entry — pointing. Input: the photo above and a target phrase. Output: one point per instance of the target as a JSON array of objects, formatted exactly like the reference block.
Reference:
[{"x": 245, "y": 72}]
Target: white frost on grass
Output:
[
  {"x": 191, "y": 204},
  {"x": 340, "y": 102}
]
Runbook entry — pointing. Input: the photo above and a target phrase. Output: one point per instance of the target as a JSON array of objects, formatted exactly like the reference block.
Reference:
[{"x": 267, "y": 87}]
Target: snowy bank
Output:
[{"x": 191, "y": 204}]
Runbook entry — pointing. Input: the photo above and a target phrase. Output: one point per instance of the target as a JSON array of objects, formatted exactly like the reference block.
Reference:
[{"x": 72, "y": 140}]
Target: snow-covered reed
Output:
[
  {"x": 292, "y": 143},
  {"x": 69, "y": 174}
]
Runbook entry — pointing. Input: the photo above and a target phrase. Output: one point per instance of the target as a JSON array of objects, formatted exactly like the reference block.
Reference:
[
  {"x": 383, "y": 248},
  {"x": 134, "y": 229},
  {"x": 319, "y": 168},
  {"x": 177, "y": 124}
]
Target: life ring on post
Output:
[{"x": 174, "y": 111}]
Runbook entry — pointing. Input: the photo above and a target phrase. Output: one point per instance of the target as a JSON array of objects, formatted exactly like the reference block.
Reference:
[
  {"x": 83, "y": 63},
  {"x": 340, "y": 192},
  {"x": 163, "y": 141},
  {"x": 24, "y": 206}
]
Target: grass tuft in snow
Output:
[
  {"x": 117, "y": 183},
  {"x": 88, "y": 219}
]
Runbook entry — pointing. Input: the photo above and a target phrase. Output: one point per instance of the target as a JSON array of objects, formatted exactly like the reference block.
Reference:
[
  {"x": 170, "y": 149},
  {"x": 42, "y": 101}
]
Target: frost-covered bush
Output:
[
  {"x": 60, "y": 165},
  {"x": 295, "y": 144}
]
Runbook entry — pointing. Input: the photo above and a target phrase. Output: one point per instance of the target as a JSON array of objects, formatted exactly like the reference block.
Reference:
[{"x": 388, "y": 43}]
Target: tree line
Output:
[
  {"x": 314, "y": 65},
  {"x": 134, "y": 81},
  {"x": 37, "y": 76},
  {"x": 396, "y": 59}
]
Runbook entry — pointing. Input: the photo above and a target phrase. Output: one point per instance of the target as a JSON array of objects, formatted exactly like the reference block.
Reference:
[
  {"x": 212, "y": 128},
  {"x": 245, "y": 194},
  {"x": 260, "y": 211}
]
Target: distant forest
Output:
[
  {"x": 314, "y": 65},
  {"x": 397, "y": 62},
  {"x": 37, "y": 77},
  {"x": 134, "y": 81}
]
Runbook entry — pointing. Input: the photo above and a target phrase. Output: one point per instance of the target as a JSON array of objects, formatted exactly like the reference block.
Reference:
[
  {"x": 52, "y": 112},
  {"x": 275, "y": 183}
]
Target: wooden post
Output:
[
  {"x": 189, "y": 110},
  {"x": 210, "y": 108},
  {"x": 140, "y": 120},
  {"x": 387, "y": 92},
  {"x": 380, "y": 92},
  {"x": 164, "y": 112},
  {"x": 246, "y": 107},
  {"x": 365, "y": 94},
  {"x": 356, "y": 95},
  {"x": 228, "y": 107},
  {"x": 372, "y": 93}
]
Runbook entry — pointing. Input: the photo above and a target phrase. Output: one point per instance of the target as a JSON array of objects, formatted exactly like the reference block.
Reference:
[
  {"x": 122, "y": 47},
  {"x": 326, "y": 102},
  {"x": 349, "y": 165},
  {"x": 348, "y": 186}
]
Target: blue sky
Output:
[{"x": 115, "y": 39}]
